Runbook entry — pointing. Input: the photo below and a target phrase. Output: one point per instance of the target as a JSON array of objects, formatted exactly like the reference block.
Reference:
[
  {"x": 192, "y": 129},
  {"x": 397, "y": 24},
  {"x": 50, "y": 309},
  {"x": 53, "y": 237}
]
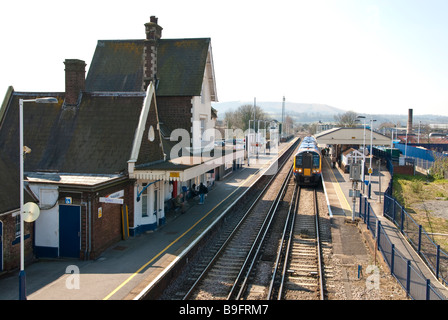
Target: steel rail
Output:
[
  {"x": 230, "y": 237},
  {"x": 319, "y": 248},
  {"x": 289, "y": 225},
  {"x": 257, "y": 245},
  {"x": 288, "y": 248}
]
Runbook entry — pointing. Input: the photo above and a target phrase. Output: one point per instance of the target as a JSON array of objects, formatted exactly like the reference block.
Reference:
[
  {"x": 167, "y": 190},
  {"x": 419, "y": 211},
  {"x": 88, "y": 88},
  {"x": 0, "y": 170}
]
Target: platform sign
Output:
[
  {"x": 118, "y": 194},
  {"x": 111, "y": 200}
]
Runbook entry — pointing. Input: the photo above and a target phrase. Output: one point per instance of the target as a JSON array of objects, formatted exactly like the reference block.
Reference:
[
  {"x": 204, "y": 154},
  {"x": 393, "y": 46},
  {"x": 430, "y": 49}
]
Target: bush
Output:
[{"x": 440, "y": 167}]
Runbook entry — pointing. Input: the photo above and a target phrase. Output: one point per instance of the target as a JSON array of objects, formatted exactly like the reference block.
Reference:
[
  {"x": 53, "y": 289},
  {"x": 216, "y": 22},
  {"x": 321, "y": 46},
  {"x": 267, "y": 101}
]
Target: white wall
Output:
[{"x": 47, "y": 224}]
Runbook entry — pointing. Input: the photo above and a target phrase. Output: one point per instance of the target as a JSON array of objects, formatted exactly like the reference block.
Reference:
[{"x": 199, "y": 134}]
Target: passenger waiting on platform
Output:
[
  {"x": 193, "y": 191},
  {"x": 202, "y": 192},
  {"x": 178, "y": 203}
]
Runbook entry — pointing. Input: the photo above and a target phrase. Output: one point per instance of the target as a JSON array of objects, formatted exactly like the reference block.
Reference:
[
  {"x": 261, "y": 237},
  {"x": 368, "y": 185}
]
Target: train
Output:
[{"x": 308, "y": 163}]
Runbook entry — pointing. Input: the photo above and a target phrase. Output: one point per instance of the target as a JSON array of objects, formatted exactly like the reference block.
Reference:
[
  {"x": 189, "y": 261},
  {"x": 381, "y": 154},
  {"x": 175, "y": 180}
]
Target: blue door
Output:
[{"x": 69, "y": 231}]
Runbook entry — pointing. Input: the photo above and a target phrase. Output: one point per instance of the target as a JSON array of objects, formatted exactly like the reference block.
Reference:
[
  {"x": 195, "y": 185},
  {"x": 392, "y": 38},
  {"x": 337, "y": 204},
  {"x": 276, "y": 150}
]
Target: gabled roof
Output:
[
  {"x": 117, "y": 66},
  {"x": 351, "y": 136},
  {"x": 95, "y": 137}
]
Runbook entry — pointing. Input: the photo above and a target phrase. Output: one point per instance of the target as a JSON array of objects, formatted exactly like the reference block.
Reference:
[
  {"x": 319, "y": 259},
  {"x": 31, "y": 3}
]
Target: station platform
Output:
[
  {"x": 338, "y": 185},
  {"x": 137, "y": 260},
  {"x": 130, "y": 264}
]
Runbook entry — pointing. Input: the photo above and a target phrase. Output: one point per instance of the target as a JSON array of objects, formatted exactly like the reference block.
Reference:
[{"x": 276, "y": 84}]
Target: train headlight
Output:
[{"x": 299, "y": 170}]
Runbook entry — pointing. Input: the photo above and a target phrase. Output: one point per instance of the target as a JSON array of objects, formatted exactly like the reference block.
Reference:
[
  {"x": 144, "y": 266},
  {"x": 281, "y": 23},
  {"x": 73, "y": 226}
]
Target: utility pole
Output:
[{"x": 283, "y": 116}]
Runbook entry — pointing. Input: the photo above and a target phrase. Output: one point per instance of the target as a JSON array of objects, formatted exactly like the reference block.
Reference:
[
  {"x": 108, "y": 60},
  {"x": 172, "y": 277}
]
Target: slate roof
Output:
[
  {"x": 117, "y": 66},
  {"x": 95, "y": 137}
]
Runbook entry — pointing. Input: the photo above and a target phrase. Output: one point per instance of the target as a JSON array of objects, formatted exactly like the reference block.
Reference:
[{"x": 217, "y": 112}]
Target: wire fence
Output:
[{"x": 417, "y": 286}]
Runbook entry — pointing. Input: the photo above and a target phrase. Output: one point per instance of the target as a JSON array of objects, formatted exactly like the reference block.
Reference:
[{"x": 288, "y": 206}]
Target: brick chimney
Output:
[
  {"x": 75, "y": 80},
  {"x": 410, "y": 120},
  {"x": 153, "y": 35}
]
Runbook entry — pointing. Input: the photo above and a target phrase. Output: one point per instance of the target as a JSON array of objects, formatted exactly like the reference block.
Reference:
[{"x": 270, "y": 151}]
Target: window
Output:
[
  {"x": 155, "y": 201},
  {"x": 316, "y": 161},
  {"x": 299, "y": 160},
  {"x": 145, "y": 202},
  {"x": 18, "y": 226}
]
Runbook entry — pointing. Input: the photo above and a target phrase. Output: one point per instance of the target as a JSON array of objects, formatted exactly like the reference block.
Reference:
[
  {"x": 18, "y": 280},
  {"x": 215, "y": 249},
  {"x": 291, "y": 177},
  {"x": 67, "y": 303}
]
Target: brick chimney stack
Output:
[
  {"x": 410, "y": 120},
  {"x": 153, "y": 35},
  {"x": 75, "y": 80}
]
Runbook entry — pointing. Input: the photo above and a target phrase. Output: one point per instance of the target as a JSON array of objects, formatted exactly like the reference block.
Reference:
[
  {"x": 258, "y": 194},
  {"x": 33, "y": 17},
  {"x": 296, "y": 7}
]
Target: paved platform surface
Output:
[
  {"x": 338, "y": 185},
  {"x": 123, "y": 266}
]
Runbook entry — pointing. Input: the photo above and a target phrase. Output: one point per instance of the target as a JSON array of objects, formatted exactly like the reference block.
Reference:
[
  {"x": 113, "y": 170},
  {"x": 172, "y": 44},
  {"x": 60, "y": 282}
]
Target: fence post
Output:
[
  {"x": 428, "y": 288},
  {"x": 392, "y": 259},
  {"x": 408, "y": 278},
  {"x": 378, "y": 232},
  {"x": 402, "y": 219},
  {"x": 438, "y": 261},
  {"x": 360, "y": 205},
  {"x": 393, "y": 210},
  {"x": 365, "y": 209},
  {"x": 368, "y": 216},
  {"x": 419, "y": 238}
]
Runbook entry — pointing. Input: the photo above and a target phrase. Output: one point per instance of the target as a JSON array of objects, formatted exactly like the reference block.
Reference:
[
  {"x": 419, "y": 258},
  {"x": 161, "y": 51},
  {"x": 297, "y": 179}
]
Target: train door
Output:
[
  {"x": 307, "y": 163},
  {"x": 69, "y": 231}
]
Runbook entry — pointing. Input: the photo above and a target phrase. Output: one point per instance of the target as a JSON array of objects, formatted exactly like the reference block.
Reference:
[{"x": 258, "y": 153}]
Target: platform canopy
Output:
[{"x": 351, "y": 136}]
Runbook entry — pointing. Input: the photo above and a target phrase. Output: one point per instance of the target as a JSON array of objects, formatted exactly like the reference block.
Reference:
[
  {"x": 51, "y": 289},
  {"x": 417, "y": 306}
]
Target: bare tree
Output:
[
  {"x": 347, "y": 119},
  {"x": 239, "y": 119}
]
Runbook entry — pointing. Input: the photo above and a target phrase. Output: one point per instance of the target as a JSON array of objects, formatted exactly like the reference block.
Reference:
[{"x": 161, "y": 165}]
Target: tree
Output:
[
  {"x": 239, "y": 119},
  {"x": 347, "y": 119}
]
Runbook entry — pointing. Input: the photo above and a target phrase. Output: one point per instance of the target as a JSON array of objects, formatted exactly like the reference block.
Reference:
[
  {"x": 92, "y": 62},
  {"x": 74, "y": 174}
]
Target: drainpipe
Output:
[{"x": 89, "y": 209}]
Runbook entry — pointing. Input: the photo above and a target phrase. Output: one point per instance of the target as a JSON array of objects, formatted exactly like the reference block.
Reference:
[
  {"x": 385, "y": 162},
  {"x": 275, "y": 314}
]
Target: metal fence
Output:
[{"x": 411, "y": 279}]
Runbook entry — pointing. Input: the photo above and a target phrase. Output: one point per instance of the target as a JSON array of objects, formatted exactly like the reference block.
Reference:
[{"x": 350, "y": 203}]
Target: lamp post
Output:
[
  {"x": 363, "y": 150},
  {"x": 22, "y": 276},
  {"x": 371, "y": 154}
]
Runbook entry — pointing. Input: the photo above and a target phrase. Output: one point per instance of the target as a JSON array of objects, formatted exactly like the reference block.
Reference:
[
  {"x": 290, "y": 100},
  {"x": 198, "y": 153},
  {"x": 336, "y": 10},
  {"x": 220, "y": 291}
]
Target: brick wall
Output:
[
  {"x": 11, "y": 244},
  {"x": 107, "y": 230},
  {"x": 175, "y": 112}
]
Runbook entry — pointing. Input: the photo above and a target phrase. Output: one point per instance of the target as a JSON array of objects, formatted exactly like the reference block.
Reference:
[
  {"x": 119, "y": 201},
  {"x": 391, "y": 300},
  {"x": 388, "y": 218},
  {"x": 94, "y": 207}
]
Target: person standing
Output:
[{"x": 202, "y": 191}]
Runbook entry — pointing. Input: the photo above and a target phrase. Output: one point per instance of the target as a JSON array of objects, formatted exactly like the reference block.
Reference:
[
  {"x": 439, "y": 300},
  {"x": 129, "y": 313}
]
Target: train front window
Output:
[
  {"x": 307, "y": 160},
  {"x": 316, "y": 161},
  {"x": 299, "y": 160}
]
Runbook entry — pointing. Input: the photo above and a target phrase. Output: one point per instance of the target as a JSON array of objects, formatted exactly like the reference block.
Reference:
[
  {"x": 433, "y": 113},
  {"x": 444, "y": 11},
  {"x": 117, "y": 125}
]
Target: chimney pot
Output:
[{"x": 153, "y": 34}]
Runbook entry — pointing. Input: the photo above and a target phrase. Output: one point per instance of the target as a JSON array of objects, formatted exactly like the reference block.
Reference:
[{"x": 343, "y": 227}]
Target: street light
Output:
[
  {"x": 363, "y": 150},
  {"x": 22, "y": 276},
  {"x": 371, "y": 153}
]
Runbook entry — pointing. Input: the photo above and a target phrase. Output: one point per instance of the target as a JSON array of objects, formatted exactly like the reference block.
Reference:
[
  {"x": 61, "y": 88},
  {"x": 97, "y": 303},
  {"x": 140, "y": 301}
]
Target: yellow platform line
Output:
[
  {"x": 342, "y": 199},
  {"x": 172, "y": 243}
]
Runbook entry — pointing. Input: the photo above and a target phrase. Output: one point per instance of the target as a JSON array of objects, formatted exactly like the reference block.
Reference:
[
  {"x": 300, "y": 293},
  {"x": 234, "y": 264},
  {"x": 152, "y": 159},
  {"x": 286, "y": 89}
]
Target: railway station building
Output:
[
  {"x": 339, "y": 140},
  {"x": 118, "y": 145}
]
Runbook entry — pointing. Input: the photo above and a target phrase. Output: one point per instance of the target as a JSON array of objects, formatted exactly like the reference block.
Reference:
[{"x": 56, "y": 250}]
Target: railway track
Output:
[
  {"x": 302, "y": 276},
  {"x": 261, "y": 256},
  {"x": 227, "y": 274},
  {"x": 220, "y": 268}
]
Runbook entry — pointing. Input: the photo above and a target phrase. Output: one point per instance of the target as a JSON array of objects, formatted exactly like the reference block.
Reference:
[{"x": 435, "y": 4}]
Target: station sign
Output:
[{"x": 111, "y": 200}]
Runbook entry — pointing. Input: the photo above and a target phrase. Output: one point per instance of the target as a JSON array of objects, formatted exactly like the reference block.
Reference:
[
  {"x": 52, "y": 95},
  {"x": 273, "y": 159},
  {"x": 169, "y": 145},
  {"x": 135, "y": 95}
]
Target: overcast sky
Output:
[{"x": 383, "y": 56}]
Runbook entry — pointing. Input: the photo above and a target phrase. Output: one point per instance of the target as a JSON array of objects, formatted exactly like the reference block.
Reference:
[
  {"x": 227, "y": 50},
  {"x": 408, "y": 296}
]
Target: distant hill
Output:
[
  {"x": 300, "y": 112},
  {"x": 314, "y": 112}
]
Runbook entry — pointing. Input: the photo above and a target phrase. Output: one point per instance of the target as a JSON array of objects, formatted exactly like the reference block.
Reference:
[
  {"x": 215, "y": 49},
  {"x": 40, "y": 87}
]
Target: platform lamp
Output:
[
  {"x": 371, "y": 154},
  {"x": 31, "y": 213},
  {"x": 363, "y": 149}
]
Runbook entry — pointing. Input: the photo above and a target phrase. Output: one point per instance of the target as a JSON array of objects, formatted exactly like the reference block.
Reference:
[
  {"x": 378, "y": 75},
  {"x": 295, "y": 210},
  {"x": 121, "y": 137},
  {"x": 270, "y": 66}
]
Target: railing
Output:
[{"x": 410, "y": 278}]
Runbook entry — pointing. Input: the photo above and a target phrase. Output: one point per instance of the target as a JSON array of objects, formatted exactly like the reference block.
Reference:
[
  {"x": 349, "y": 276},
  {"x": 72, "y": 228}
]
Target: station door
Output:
[{"x": 69, "y": 231}]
